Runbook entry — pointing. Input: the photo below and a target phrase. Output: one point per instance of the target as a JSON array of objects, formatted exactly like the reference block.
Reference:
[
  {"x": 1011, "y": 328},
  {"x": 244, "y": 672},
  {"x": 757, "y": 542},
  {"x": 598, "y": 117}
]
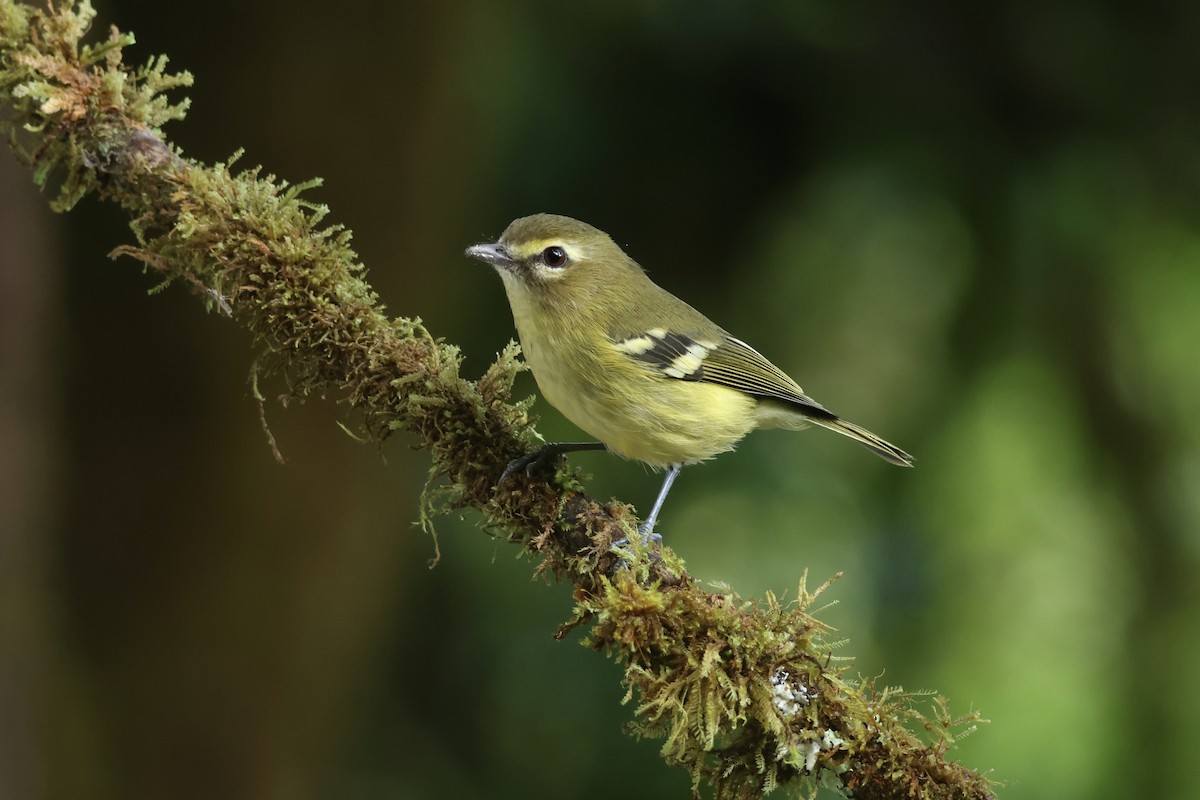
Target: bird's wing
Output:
[
  {"x": 724, "y": 360},
  {"x": 720, "y": 359}
]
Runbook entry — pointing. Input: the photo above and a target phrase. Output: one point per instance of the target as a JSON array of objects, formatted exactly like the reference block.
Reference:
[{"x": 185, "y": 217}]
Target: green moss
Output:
[
  {"x": 748, "y": 697},
  {"x": 64, "y": 91}
]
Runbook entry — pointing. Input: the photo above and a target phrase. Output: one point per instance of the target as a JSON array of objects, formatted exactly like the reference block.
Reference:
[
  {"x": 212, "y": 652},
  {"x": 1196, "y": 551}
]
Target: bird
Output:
[{"x": 650, "y": 377}]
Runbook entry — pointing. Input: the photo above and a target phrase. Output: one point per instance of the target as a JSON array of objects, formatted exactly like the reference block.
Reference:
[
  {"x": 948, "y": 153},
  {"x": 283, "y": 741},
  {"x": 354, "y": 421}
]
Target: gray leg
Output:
[{"x": 646, "y": 529}]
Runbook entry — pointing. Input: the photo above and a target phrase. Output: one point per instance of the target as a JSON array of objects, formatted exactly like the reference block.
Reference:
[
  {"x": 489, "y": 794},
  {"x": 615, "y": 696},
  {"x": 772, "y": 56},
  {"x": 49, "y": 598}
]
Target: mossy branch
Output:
[{"x": 745, "y": 695}]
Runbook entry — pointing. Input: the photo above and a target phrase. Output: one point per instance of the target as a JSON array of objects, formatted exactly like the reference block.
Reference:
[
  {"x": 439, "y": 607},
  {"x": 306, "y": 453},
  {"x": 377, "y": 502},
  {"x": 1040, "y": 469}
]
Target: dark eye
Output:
[{"x": 554, "y": 257}]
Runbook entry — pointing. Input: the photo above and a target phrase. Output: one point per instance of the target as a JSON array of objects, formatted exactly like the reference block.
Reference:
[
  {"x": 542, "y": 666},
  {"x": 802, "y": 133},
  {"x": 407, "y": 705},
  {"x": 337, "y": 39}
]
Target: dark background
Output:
[{"x": 976, "y": 232}]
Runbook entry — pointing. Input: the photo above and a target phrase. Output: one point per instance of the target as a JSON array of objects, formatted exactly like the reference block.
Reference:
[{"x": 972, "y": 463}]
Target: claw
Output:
[
  {"x": 527, "y": 463},
  {"x": 649, "y": 537},
  {"x": 625, "y": 558},
  {"x": 531, "y": 462}
]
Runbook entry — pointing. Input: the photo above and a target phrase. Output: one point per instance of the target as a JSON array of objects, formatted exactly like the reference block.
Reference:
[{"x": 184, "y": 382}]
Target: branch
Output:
[{"x": 745, "y": 695}]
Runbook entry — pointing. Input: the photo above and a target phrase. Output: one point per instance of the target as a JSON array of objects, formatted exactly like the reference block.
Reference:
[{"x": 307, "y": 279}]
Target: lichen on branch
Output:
[{"x": 745, "y": 695}]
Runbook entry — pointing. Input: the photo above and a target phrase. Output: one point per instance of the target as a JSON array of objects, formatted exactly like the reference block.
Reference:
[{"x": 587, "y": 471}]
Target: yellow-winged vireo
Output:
[{"x": 645, "y": 373}]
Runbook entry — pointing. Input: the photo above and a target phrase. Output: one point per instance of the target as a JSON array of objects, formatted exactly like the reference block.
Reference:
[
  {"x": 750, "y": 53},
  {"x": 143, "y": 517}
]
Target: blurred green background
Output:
[{"x": 975, "y": 230}]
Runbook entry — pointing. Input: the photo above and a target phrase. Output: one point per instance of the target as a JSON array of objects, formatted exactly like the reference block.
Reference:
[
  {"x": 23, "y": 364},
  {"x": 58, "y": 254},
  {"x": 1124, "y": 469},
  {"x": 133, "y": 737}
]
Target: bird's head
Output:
[{"x": 551, "y": 256}]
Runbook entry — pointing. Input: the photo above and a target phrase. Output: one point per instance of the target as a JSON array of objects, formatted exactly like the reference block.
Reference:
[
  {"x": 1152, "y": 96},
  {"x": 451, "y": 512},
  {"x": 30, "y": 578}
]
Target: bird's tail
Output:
[{"x": 884, "y": 449}]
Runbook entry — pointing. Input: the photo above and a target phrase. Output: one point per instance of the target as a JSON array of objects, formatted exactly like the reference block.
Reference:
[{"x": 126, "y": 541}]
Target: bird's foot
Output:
[
  {"x": 531, "y": 463},
  {"x": 626, "y": 556},
  {"x": 647, "y": 535},
  {"x": 528, "y": 463}
]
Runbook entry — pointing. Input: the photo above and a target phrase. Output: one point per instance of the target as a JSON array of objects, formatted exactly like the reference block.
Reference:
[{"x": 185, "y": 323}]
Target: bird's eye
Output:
[{"x": 554, "y": 257}]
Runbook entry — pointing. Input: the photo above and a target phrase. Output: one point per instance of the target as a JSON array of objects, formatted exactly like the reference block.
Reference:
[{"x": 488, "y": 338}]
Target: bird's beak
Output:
[{"x": 494, "y": 254}]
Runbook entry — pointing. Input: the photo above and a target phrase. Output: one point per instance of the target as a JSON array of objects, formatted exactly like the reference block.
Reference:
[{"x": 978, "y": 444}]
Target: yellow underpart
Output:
[{"x": 656, "y": 420}]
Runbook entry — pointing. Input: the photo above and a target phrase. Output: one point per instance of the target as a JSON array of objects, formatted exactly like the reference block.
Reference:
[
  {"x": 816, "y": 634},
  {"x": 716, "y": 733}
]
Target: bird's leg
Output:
[
  {"x": 646, "y": 529},
  {"x": 531, "y": 461},
  {"x": 646, "y": 532}
]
